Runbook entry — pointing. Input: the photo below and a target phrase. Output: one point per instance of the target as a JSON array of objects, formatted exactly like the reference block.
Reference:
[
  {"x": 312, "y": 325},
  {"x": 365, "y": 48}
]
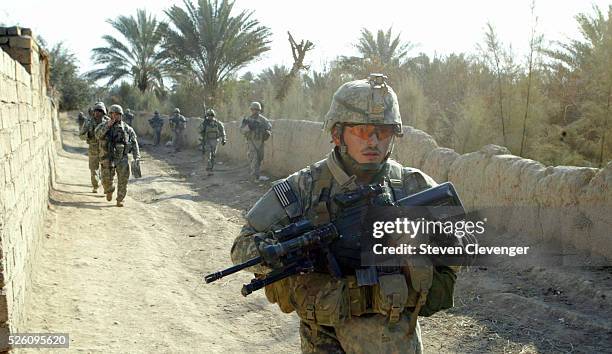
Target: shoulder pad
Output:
[{"x": 281, "y": 204}]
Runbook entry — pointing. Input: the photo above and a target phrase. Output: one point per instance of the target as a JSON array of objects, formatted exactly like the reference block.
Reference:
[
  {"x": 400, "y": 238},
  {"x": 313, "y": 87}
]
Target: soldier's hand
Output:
[{"x": 223, "y": 142}]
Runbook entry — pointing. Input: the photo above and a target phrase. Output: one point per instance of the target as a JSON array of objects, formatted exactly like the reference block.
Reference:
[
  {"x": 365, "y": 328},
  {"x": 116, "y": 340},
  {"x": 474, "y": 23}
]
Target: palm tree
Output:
[
  {"x": 208, "y": 43},
  {"x": 384, "y": 49},
  {"x": 384, "y": 53},
  {"x": 590, "y": 61},
  {"x": 138, "y": 55}
]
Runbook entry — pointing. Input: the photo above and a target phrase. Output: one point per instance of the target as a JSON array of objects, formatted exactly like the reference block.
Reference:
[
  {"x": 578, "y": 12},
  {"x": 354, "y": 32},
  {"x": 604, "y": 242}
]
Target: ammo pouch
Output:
[
  {"x": 391, "y": 295},
  {"x": 319, "y": 298},
  {"x": 212, "y": 134}
]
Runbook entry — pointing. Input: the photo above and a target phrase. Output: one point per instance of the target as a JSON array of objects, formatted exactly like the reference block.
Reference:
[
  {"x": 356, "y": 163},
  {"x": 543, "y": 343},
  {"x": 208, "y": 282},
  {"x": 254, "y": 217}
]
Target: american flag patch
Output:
[{"x": 284, "y": 193}]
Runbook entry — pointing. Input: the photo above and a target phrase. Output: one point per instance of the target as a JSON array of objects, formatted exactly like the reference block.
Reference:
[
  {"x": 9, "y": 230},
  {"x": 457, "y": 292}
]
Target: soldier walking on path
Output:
[
  {"x": 116, "y": 140},
  {"x": 157, "y": 124},
  {"x": 87, "y": 133},
  {"x": 211, "y": 131},
  {"x": 129, "y": 117},
  {"x": 178, "y": 123},
  {"x": 256, "y": 129}
]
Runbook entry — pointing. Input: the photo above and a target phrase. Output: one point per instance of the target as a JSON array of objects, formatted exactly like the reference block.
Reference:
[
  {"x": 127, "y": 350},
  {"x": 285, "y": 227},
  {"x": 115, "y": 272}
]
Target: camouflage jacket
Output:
[
  {"x": 268, "y": 213},
  {"x": 87, "y": 131},
  {"x": 156, "y": 122},
  {"x": 178, "y": 122},
  {"x": 212, "y": 129},
  {"x": 116, "y": 142},
  {"x": 256, "y": 127}
]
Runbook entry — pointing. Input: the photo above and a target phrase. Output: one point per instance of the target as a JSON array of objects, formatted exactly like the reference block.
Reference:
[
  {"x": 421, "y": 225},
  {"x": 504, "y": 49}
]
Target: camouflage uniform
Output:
[
  {"x": 87, "y": 133},
  {"x": 156, "y": 123},
  {"x": 178, "y": 123},
  {"x": 364, "y": 329},
  {"x": 115, "y": 144},
  {"x": 256, "y": 129},
  {"x": 80, "y": 120},
  {"x": 211, "y": 131},
  {"x": 129, "y": 117}
]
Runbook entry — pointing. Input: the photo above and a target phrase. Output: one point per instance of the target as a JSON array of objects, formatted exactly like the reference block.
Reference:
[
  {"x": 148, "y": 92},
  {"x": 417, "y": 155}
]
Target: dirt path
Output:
[{"x": 130, "y": 279}]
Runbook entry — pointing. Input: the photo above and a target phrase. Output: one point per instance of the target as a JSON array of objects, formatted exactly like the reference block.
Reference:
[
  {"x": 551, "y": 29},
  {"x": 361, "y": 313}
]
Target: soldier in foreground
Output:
[
  {"x": 157, "y": 124},
  {"x": 129, "y": 117},
  {"x": 211, "y": 131},
  {"x": 87, "y": 133},
  {"x": 178, "y": 123},
  {"x": 339, "y": 315},
  {"x": 256, "y": 129},
  {"x": 116, "y": 140}
]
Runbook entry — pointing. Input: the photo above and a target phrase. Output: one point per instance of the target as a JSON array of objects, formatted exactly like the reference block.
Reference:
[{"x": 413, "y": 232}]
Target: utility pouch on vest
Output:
[
  {"x": 321, "y": 299},
  {"x": 358, "y": 297},
  {"x": 391, "y": 295},
  {"x": 279, "y": 293},
  {"x": 119, "y": 152}
]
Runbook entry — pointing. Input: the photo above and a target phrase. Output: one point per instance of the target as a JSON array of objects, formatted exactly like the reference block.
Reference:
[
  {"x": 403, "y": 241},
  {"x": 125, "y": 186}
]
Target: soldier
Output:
[
  {"x": 116, "y": 140},
  {"x": 257, "y": 129},
  {"x": 80, "y": 120},
  {"x": 211, "y": 131},
  {"x": 129, "y": 117},
  {"x": 156, "y": 123},
  {"x": 87, "y": 133},
  {"x": 363, "y": 120},
  {"x": 178, "y": 123}
]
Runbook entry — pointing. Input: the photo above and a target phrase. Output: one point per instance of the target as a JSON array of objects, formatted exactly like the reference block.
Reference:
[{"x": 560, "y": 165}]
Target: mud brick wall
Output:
[
  {"x": 29, "y": 138},
  {"x": 566, "y": 205}
]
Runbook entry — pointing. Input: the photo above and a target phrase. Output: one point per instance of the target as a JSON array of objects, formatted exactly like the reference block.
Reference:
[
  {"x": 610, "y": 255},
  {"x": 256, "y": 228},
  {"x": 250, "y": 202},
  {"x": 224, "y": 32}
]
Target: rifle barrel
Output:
[{"x": 231, "y": 270}]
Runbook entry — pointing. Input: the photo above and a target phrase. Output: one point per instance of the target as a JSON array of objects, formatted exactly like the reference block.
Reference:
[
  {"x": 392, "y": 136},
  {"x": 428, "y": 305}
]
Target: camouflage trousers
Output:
[
  {"x": 93, "y": 155},
  {"x": 178, "y": 139},
  {"x": 209, "y": 148},
  {"x": 255, "y": 154},
  {"x": 362, "y": 335},
  {"x": 122, "y": 169},
  {"x": 157, "y": 133}
]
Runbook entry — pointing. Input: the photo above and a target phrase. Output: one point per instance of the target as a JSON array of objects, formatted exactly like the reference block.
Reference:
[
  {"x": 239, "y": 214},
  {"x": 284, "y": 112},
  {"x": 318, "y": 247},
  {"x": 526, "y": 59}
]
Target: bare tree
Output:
[
  {"x": 494, "y": 56},
  {"x": 535, "y": 42},
  {"x": 299, "y": 53}
]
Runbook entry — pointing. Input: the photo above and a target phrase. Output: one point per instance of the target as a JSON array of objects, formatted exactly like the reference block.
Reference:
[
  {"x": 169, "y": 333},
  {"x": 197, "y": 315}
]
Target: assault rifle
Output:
[{"x": 302, "y": 247}]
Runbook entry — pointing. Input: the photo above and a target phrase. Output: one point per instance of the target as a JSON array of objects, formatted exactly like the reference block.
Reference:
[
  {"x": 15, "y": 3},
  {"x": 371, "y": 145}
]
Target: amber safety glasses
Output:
[{"x": 365, "y": 131}]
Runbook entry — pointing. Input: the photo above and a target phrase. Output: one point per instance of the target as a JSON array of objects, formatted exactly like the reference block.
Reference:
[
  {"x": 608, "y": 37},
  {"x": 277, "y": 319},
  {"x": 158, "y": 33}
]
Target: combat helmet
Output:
[
  {"x": 210, "y": 113},
  {"x": 176, "y": 110},
  {"x": 367, "y": 101},
  {"x": 255, "y": 105},
  {"x": 115, "y": 109},
  {"x": 99, "y": 106}
]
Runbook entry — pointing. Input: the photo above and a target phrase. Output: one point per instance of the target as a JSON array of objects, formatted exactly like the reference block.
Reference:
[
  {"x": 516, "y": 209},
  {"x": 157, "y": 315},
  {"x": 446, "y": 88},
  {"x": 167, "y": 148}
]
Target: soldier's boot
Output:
[
  {"x": 109, "y": 194},
  {"x": 120, "y": 203},
  {"x": 94, "y": 190}
]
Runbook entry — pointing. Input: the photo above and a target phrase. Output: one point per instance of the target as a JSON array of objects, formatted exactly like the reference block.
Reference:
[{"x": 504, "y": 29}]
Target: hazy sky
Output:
[{"x": 436, "y": 26}]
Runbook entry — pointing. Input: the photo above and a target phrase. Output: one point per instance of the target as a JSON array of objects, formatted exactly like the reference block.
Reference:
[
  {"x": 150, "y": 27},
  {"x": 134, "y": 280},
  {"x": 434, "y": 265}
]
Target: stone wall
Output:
[
  {"x": 29, "y": 138},
  {"x": 562, "y": 204}
]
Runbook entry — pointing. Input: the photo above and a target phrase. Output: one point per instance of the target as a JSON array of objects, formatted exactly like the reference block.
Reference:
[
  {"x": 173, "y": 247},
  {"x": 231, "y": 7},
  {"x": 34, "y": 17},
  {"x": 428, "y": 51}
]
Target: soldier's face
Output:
[
  {"x": 254, "y": 111},
  {"x": 367, "y": 143},
  {"x": 116, "y": 116},
  {"x": 98, "y": 114}
]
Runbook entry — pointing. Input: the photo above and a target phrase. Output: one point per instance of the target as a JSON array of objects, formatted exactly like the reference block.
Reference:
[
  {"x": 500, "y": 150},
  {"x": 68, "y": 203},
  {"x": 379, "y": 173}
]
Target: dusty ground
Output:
[{"x": 130, "y": 279}]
